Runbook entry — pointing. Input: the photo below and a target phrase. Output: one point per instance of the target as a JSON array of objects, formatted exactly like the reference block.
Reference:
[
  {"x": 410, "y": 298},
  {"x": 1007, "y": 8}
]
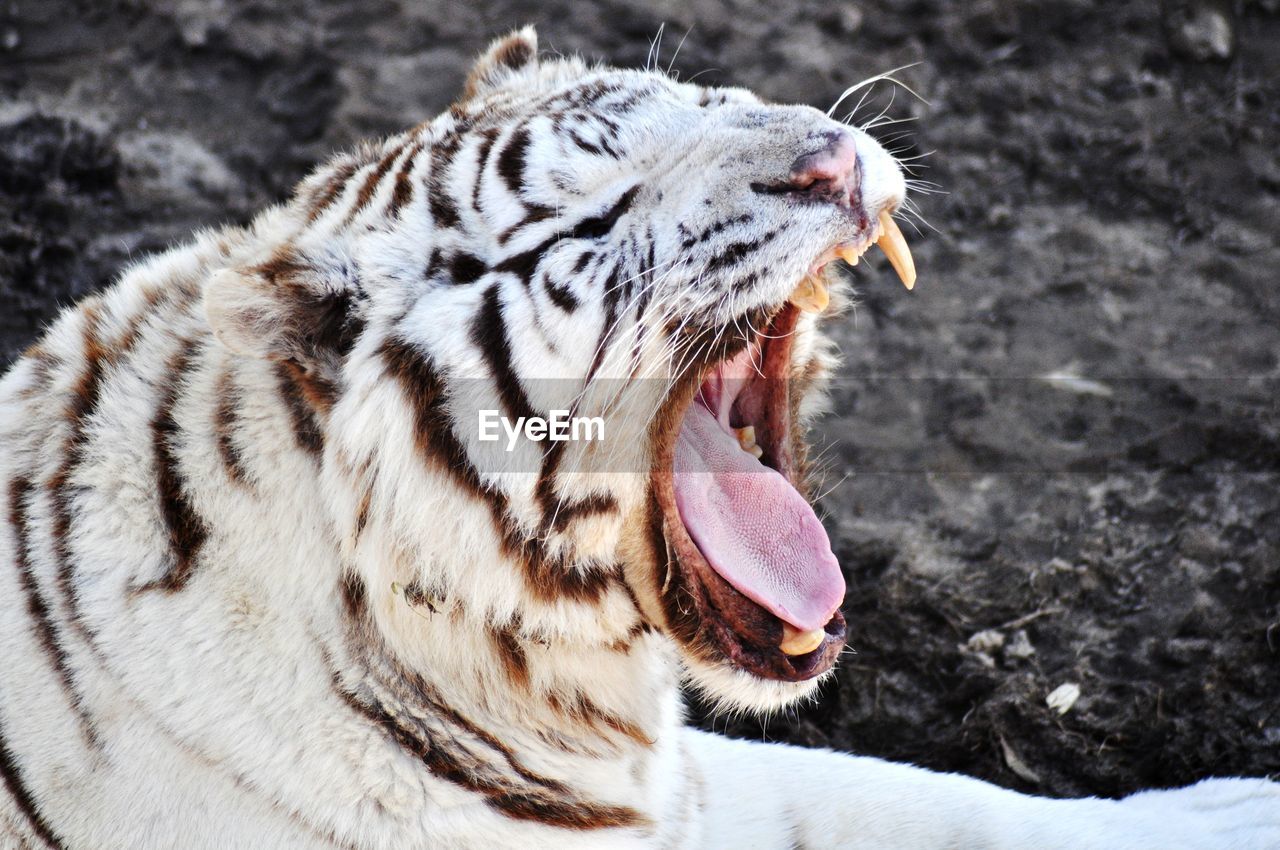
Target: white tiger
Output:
[{"x": 264, "y": 587}]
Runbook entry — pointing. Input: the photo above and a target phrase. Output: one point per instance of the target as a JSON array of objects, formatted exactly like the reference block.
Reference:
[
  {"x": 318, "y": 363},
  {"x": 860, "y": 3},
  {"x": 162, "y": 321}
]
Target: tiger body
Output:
[{"x": 259, "y": 592}]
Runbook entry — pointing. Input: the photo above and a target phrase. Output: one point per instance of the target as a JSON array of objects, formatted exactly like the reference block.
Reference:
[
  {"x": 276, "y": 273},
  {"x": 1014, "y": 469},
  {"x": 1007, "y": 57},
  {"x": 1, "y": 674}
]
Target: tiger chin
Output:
[{"x": 263, "y": 585}]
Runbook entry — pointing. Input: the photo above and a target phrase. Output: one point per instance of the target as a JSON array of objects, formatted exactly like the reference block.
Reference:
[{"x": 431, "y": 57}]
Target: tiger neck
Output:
[{"x": 438, "y": 677}]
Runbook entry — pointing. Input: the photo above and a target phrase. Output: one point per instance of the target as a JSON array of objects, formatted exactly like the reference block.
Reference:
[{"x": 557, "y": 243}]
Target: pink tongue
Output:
[{"x": 752, "y": 526}]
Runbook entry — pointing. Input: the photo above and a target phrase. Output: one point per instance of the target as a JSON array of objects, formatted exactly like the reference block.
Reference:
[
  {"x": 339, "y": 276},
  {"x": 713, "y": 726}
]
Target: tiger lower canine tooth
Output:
[
  {"x": 796, "y": 642},
  {"x": 747, "y": 441},
  {"x": 895, "y": 248},
  {"x": 810, "y": 295}
]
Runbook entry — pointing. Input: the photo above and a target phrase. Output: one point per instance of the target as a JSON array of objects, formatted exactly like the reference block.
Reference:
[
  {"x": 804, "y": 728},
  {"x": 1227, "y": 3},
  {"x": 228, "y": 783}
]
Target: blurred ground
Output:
[{"x": 1057, "y": 461}]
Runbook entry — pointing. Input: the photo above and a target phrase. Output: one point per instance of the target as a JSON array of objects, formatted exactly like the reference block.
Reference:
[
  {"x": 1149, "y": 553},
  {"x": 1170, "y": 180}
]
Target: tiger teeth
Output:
[
  {"x": 849, "y": 254},
  {"x": 811, "y": 295},
  {"x": 747, "y": 441},
  {"x": 895, "y": 248},
  {"x": 796, "y": 642}
]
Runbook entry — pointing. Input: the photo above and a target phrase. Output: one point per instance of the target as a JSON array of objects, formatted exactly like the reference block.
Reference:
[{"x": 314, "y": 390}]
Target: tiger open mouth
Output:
[{"x": 751, "y": 577}]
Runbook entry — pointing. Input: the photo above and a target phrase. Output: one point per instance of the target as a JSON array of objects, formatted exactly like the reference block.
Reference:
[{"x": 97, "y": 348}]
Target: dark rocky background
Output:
[{"x": 1065, "y": 442}]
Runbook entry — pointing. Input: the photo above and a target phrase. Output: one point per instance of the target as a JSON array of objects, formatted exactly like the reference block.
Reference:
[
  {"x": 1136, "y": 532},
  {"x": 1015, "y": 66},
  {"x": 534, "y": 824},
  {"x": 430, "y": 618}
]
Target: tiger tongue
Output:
[{"x": 754, "y": 529}]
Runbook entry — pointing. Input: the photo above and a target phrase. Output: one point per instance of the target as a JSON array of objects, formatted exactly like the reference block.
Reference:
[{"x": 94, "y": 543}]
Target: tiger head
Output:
[{"x": 615, "y": 244}]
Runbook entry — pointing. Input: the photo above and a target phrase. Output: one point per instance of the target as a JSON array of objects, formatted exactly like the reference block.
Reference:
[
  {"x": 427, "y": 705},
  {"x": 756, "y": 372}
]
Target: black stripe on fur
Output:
[
  {"x": 27, "y": 803},
  {"x": 402, "y": 191},
  {"x": 482, "y": 161},
  {"x": 84, "y": 400},
  {"x": 460, "y": 752},
  {"x": 489, "y": 334},
  {"x": 225, "y": 427},
  {"x": 185, "y": 528},
  {"x": 369, "y": 187},
  {"x": 549, "y": 578},
  {"x": 306, "y": 425},
  {"x": 511, "y": 160},
  {"x": 20, "y": 491},
  {"x": 444, "y": 212}
]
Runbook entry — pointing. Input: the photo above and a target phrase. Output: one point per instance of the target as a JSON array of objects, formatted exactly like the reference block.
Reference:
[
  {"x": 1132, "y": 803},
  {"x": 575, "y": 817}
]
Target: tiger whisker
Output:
[
  {"x": 884, "y": 121},
  {"x": 672, "y": 63},
  {"x": 832, "y": 488},
  {"x": 875, "y": 121},
  {"x": 886, "y": 76},
  {"x": 655, "y": 47}
]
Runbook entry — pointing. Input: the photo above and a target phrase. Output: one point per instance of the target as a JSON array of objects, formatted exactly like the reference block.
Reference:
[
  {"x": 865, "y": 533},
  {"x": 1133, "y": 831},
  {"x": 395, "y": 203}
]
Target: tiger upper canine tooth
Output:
[
  {"x": 796, "y": 642},
  {"x": 895, "y": 248},
  {"x": 810, "y": 295}
]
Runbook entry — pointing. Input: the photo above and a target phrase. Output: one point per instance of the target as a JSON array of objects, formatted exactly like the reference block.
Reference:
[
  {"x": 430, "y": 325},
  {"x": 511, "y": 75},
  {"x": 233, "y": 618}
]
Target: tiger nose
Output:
[{"x": 830, "y": 173}]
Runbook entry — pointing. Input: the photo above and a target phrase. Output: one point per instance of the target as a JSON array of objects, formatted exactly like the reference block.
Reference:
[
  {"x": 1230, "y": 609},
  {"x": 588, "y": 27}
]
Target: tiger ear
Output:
[
  {"x": 505, "y": 59},
  {"x": 267, "y": 312}
]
